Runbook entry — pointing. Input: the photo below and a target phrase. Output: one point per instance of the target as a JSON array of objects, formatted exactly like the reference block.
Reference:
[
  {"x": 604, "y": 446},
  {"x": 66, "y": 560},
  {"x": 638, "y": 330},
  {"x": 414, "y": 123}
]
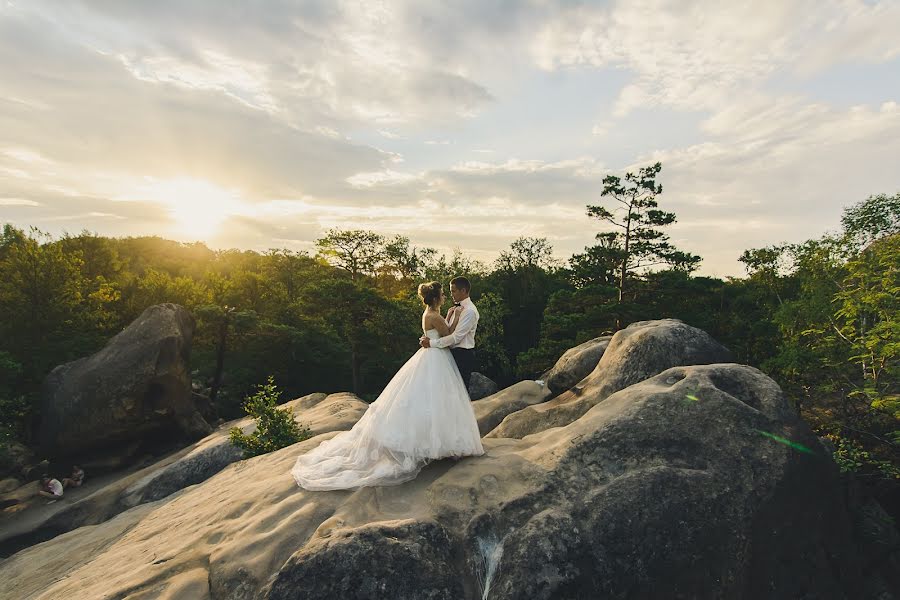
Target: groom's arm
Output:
[{"x": 464, "y": 325}]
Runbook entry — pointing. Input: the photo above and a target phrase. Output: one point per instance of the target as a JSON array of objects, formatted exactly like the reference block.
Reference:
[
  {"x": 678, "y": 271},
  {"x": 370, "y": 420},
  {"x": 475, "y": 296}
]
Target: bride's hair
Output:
[{"x": 429, "y": 292}]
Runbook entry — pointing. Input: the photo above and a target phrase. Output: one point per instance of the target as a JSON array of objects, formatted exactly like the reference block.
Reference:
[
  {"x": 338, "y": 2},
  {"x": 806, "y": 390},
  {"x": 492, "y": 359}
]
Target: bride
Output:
[{"x": 423, "y": 414}]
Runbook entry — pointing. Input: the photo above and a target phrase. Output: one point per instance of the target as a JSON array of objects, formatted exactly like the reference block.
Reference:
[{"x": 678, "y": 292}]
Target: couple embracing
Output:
[{"x": 423, "y": 414}]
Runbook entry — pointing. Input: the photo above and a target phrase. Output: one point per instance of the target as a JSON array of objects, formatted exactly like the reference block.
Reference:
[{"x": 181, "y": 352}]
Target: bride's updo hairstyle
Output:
[{"x": 429, "y": 292}]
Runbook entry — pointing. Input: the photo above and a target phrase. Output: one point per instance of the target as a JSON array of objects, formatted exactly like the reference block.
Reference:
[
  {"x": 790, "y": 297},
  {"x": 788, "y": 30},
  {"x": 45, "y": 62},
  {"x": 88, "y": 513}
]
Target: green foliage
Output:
[
  {"x": 493, "y": 359},
  {"x": 873, "y": 218},
  {"x": 637, "y": 240},
  {"x": 523, "y": 280},
  {"x": 820, "y": 317},
  {"x": 852, "y": 458},
  {"x": 275, "y": 427}
]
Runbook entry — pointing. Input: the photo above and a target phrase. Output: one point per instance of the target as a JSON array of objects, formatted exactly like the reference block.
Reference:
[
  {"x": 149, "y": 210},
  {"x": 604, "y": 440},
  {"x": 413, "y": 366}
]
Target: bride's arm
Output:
[
  {"x": 437, "y": 322},
  {"x": 452, "y": 321}
]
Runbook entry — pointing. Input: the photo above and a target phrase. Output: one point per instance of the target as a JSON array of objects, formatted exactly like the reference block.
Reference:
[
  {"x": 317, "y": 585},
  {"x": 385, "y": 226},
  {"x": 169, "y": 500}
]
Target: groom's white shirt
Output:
[{"x": 464, "y": 334}]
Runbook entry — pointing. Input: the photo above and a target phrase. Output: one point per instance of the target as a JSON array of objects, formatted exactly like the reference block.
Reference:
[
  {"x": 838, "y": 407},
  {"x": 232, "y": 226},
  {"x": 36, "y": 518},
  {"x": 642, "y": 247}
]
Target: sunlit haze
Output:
[{"x": 260, "y": 125}]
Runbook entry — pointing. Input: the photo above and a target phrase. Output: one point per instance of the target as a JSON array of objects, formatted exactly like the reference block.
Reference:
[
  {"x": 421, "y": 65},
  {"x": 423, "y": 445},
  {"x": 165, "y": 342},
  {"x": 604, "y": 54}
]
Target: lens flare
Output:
[{"x": 785, "y": 441}]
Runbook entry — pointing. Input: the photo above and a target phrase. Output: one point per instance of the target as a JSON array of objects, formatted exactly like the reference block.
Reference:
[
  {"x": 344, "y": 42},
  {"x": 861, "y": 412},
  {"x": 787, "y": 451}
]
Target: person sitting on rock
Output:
[
  {"x": 75, "y": 479},
  {"x": 52, "y": 488}
]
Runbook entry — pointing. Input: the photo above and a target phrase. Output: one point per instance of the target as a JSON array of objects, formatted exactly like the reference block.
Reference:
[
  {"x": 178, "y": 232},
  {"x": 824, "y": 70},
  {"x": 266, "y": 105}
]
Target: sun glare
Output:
[{"x": 197, "y": 207}]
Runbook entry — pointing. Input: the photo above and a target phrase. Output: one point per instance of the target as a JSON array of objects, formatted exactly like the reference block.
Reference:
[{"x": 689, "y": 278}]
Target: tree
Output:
[
  {"x": 876, "y": 216},
  {"x": 868, "y": 320},
  {"x": 637, "y": 221},
  {"x": 766, "y": 265},
  {"x": 287, "y": 269},
  {"x": 525, "y": 276},
  {"x": 596, "y": 265},
  {"x": 223, "y": 319},
  {"x": 356, "y": 251},
  {"x": 400, "y": 260},
  {"x": 527, "y": 254},
  {"x": 351, "y": 309},
  {"x": 40, "y": 299}
]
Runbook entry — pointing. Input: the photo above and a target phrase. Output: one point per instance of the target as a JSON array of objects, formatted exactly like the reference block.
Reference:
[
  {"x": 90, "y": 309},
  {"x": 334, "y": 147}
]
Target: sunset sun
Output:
[{"x": 196, "y": 207}]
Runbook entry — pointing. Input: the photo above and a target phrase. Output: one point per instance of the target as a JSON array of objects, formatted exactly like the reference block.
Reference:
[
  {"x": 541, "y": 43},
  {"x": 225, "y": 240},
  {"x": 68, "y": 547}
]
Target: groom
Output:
[{"x": 462, "y": 341}]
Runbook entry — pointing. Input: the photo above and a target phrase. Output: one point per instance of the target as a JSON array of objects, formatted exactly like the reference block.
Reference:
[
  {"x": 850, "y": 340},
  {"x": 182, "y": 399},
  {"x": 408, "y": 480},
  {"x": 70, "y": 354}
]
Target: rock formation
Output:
[
  {"x": 668, "y": 481},
  {"x": 481, "y": 386},
  {"x": 639, "y": 351},
  {"x": 136, "y": 387},
  {"x": 576, "y": 364}
]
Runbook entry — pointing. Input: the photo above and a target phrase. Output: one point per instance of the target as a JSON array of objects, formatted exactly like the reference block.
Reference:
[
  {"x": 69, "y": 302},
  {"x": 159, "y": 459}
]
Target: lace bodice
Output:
[{"x": 432, "y": 334}]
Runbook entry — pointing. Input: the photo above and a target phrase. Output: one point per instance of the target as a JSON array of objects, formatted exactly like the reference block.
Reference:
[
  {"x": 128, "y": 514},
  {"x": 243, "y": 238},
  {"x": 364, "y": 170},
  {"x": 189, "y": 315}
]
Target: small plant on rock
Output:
[{"x": 275, "y": 427}]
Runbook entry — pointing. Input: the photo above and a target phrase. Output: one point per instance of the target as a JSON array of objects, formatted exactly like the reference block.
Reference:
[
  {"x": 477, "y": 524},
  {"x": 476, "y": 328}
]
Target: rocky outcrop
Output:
[
  {"x": 481, "y": 386},
  {"x": 492, "y": 410},
  {"x": 634, "y": 354},
  {"x": 15, "y": 459},
  {"x": 187, "y": 467},
  {"x": 136, "y": 387},
  {"x": 576, "y": 364},
  {"x": 695, "y": 482}
]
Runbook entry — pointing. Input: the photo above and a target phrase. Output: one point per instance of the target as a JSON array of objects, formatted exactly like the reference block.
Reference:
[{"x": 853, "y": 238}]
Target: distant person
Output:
[
  {"x": 75, "y": 479},
  {"x": 51, "y": 488}
]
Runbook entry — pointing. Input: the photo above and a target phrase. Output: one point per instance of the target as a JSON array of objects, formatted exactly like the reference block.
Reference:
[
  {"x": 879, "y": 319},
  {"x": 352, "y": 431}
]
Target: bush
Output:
[{"x": 275, "y": 427}]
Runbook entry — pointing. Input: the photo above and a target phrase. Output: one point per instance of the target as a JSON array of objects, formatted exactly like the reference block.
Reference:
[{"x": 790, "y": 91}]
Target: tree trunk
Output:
[
  {"x": 220, "y": 359},
  {"x": 355, "y": 365}
]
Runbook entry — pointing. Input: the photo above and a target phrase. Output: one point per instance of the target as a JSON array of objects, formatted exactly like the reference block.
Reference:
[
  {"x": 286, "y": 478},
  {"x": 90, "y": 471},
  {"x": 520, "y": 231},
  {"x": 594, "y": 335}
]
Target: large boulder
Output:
[
  {"x": 634, "y": 354},
  {"x": 15, "y": 458},
  {"x": 490, "y": 411},
  {"x": 481, "y": 386},
  {"x": 576, "y": 364},
  {"x": 699, "y": 482},
  {"x": 137, "y": 387}
]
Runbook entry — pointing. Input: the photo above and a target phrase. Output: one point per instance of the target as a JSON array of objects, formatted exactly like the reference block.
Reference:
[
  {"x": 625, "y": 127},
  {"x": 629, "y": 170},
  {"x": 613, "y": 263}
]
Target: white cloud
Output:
[
  {"x": 17, "y": 202},
  {"x": 268, "y": 108},
  {"x": 696, "y": 55},
  {"x": 388, "y": 177}
]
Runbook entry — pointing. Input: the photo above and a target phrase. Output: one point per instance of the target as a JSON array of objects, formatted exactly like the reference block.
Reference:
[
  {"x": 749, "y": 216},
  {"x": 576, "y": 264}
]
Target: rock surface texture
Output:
[
  {"x": 667, "y": 481},
  {"x": 138, "y": 386},
  {"x": 576, "y": 364}
]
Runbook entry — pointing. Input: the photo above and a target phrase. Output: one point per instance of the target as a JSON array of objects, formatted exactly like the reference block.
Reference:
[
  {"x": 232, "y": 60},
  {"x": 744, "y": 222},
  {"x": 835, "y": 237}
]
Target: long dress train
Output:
[{"x": 423, "y": 414}]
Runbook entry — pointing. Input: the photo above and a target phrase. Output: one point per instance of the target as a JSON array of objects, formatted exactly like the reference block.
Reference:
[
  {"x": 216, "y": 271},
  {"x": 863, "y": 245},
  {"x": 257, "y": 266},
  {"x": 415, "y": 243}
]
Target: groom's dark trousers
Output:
[{"x": 465, "y": 360}]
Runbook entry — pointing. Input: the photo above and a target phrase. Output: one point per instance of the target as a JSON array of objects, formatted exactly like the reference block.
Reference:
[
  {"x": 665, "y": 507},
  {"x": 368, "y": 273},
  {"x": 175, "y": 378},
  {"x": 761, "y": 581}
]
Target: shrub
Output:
[{"x": 275, "y": 427}]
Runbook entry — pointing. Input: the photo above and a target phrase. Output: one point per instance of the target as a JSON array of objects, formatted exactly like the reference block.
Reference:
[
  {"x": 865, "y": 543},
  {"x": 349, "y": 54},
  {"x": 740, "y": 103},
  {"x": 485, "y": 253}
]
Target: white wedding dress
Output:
[{"x": 423, "y": 414}]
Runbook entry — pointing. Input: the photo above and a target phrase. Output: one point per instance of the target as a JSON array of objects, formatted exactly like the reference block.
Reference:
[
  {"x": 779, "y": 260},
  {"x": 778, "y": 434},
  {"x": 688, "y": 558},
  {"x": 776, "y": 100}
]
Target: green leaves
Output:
[
  {"x": 275, "y": 427},
  {"x": 875, "y": 217},
  {"x": 637, "y": 242}
]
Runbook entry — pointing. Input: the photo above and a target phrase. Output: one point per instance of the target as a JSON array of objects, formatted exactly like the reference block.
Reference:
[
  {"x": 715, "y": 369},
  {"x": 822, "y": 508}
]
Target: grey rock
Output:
[
  {"x": 403, "y": 561},
  {"x": 481, "y": 386},
  {"x": 490, "y": 411},
  {"x": 9, "y": 484},
  {"x": 634, "y": 354},
  {"x": 196, "y": 466},
  {"x": 677, "y": 485},
  {"x": 576, "y": 364},
  {"x": 166, "y": 477},
  {"x": 137, "y": 386},
  {"x": 15, "y": 459}
]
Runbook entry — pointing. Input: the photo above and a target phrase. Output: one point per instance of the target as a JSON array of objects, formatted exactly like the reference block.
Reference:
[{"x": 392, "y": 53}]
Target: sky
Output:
[{"x": 463, "y": 124}]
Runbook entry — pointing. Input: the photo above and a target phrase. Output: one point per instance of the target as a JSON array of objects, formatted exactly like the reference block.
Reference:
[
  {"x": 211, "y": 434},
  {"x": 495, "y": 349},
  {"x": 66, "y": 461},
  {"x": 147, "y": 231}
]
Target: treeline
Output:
[{"x": 820, "y": 317}]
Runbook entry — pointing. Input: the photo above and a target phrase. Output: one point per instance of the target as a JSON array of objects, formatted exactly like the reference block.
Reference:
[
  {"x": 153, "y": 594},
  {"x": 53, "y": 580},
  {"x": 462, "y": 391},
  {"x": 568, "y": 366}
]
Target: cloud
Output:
[
  {"x": 780, "y": 173},
  {"x": 700, "y": 56},
  {"x": 286, "y": 121},
  {"x": 312, "y": 63}
]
